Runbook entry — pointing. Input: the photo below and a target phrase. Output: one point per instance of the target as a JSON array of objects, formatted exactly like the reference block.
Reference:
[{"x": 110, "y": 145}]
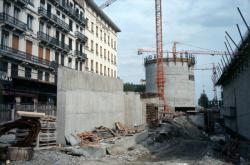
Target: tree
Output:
[
  {"x": 203, "y": 100},
  {"x": 129, "y": 87}
]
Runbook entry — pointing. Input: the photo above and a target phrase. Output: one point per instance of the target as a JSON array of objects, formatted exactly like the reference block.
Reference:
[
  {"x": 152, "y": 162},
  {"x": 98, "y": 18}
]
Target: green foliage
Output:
[
  {"x": 129, "y": 87},
  {"x": 203, "y": 100}
]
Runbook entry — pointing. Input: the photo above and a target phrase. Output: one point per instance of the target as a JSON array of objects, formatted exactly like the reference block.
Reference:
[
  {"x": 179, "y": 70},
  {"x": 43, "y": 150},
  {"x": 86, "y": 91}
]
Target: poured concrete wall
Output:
[
  {"x": 179, "y": 89},
  {"x": 236, "y": 94},
  {"x": 86, "y": 101},
  {"x": 135, "y": 111}
]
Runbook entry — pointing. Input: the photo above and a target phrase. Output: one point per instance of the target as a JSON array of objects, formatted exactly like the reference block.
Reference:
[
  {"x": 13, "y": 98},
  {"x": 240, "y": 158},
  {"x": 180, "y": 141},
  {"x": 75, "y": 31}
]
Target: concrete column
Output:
[
  {"x": 35, "y": 101},
  {"x": 18, "y": 100}
]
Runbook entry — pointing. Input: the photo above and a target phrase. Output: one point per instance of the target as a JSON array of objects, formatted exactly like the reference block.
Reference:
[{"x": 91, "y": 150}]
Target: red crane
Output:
[{"x": 160, "y": 76}]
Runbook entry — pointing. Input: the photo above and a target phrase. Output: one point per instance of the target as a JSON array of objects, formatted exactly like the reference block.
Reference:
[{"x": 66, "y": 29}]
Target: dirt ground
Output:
[{"x": 176, "y": 142}]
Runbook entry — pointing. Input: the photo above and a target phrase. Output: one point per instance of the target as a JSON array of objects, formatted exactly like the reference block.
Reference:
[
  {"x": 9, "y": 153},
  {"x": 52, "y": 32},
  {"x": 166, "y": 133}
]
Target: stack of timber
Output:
[
  {"x": 152, "y": 115},
  {"x": 47, "y": 136}
]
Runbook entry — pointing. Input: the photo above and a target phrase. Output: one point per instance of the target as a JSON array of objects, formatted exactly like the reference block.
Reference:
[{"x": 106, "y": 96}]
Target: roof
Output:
[
  {"x": 241, "y": 55},
  {"x": 99, "y": 12}
]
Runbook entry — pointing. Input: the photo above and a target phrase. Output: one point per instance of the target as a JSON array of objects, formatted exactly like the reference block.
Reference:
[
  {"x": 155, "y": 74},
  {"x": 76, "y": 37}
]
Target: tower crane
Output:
[
  {"x": 175, "y": 52},
  {"x": 214, "y": 76},
  {"x": 160, "y": 76},
  {"x": 106, "y": 4}
]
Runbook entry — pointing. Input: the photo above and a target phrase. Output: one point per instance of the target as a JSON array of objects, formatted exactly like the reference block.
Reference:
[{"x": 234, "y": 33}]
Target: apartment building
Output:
[
  {"x": 101, "y": 47},
  {"x": 35, "y": 37}
]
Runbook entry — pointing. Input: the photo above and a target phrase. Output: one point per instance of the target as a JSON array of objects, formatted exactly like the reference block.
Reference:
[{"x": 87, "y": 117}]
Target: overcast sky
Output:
[{"x": 197, "y": 22}]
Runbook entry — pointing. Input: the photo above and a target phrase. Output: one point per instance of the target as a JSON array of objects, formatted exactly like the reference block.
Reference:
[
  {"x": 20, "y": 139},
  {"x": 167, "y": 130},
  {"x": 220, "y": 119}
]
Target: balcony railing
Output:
[
  {"x": 54, "y": 1},
  {"x": 13, "y": 22},
  {"x": 23, "y": 56},
  {"x": 53, "y": 18},
  {"x": 72, "y": 12},
  {"x": 80, "y": 55},
  {"x": 81, "y": 37},
  {"x": 52, "y": 41}
]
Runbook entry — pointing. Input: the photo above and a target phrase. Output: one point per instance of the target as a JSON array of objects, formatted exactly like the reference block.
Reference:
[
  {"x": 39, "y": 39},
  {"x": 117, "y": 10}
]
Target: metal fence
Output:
[
  {"x": 8, "y": 112},
  {"x": 5, "y": 113}
]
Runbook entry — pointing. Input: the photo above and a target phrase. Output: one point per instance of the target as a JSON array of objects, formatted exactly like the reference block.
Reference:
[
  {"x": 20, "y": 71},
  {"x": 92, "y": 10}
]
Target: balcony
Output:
[
  {"x": 81, "y": 37},
  {"x": 72, "y": 12},
  {"x": 53, "y": 19},
  {"x": 53, "y": 42},
  {"x": 54, "y": 2},
  {"x": 80, "y": 55},
  {"x": 12, "y": 23},
  {"x": 23, "y": 56}
]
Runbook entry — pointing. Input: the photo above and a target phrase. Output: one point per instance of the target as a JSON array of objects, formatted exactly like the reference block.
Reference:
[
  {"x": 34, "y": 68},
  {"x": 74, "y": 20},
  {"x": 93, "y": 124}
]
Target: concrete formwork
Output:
[
  {"x": 86, "y": 101},
  {"x": 179, "y": 81}
]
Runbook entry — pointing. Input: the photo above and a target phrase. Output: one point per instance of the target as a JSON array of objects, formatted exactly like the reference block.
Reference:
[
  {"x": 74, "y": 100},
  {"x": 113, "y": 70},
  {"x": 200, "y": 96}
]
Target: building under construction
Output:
[{"x": 179, "y": 80}]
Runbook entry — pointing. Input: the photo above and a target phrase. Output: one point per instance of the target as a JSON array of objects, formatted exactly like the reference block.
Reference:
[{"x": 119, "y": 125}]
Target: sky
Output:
[{"x": 201, "y": 23}]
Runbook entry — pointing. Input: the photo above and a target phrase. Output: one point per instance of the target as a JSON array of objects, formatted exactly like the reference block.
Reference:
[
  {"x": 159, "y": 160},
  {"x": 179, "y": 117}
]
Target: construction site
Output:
[{"x": 66, "y": 96}]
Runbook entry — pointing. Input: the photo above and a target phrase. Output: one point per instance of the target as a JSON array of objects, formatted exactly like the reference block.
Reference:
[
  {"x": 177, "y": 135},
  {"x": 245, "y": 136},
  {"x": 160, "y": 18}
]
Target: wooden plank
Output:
[{"x": 30, "y": 114}]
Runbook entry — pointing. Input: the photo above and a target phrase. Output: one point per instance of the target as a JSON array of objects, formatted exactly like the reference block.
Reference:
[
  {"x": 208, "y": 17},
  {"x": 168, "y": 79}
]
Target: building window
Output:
[
  {"x": 108, "y": 72},
  {"x": 92, "y": 65},
  {"x": 96, "y": 31},
  {"x": 105, "y": 54},
  {"x": 87, "y": 23},
  {"x": 6, "y": 7},
  {"x": 92, "y": 45},
  {"x": 108, "y": 40},
  {"x": 76, "y": 65},
  {"x": 191, "y": 77},
  {"x": 80, "y": 66},
  {"x": 29, "y": 22},
  {"x": 108, "y": 56},
  {"x": 42, "y": 2},
  {"x": 101, "y": 51},
  {"x": 16, "y": 13},
  {"x": 3, "y": 66},
  {"x": 71, "y": 25},
  {"x": 14, "y": 70},
  {"x": 40, "y": 75},
  {"x": 104, "y": 37},
  {"x": 96, "y": 67},
  {"x": 70, "y": 62},
  {"x": 58, "y": 13},
  {"x": 41, "y": 25},
  {"x": 5, "y": 38},
  {"x": 62, "y": 60},
  {"x": 114, "y": 45},
  {"x": 46, "y": 76},
  {"x": 70, "y": 43},
  {"x": 27, "y": 72},
  {"x": 101, "y": 35},
  {"x": 63, "y": 16},
  {"x": 101, "y": 69},
  {"x": 115, "y": 74},
  {"x": 57, "y": 57},
  {"x": 92, "y": 27},
  {"x": 105, "y": 71},
  {"x": 96, "y": 49}
]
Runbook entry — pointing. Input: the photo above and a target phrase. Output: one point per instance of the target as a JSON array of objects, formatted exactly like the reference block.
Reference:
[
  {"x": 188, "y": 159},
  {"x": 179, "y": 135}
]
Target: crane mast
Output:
[{"x": 160, "y": 76}]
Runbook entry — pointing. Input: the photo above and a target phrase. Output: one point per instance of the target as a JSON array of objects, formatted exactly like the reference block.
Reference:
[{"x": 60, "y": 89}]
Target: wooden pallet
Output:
[{"x": 47, "y": 136}]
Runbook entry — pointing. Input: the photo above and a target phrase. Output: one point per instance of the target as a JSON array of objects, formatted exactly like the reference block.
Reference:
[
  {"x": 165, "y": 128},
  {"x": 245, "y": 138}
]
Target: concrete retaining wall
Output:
[
  {"x": 135, "y": 111},
  {"x": 236, "y": 95},
  {"x": 85, "y": 101}
]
